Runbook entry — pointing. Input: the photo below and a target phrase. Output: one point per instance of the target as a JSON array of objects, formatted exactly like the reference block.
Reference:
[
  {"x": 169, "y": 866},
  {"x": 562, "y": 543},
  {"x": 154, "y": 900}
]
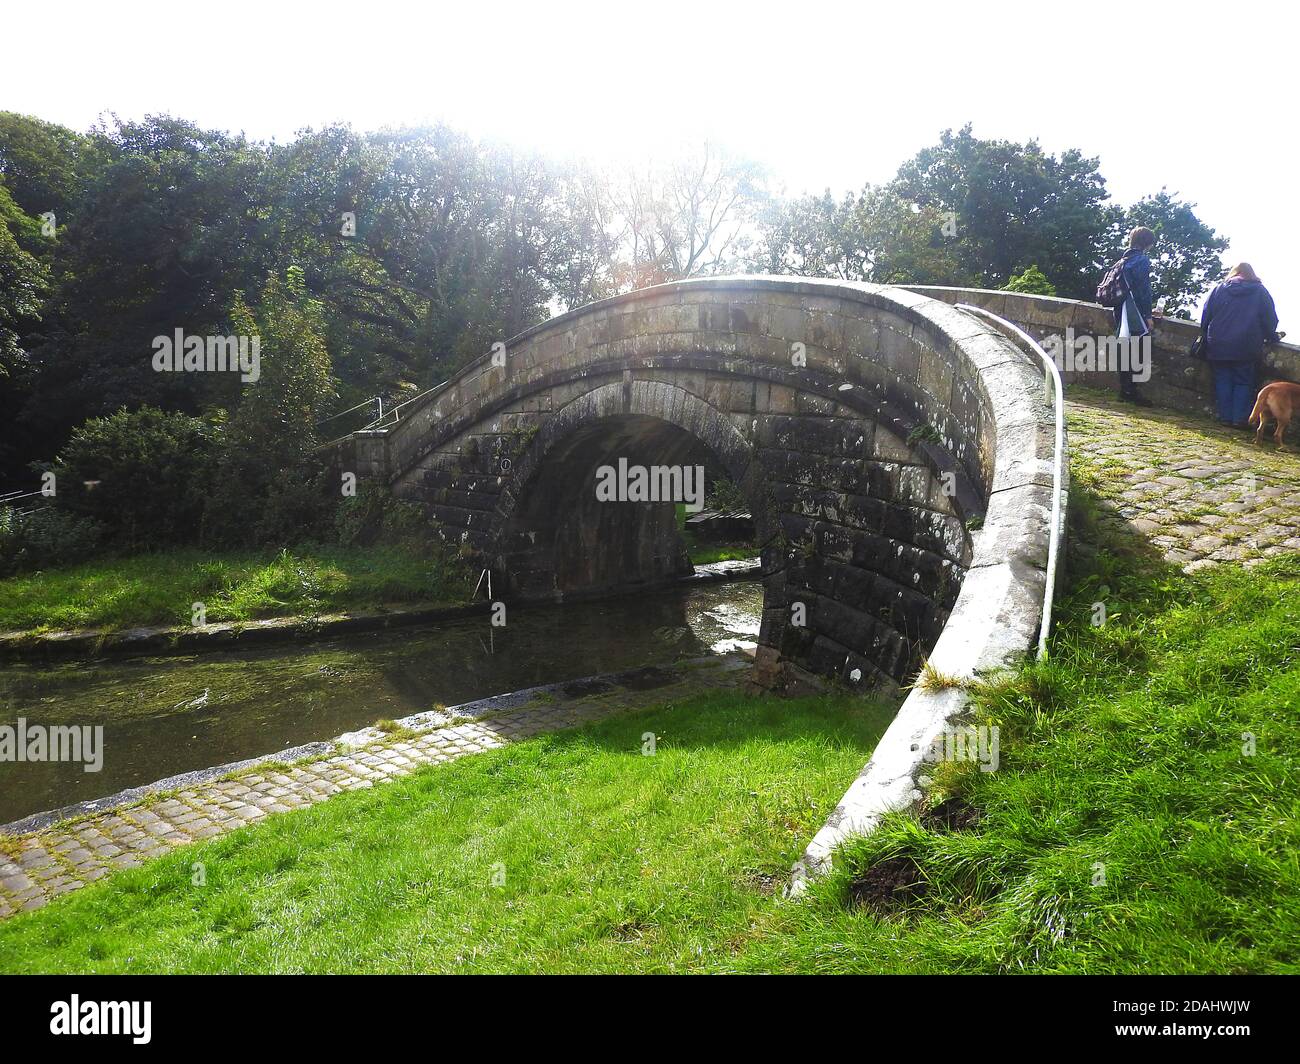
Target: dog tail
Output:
[{"x": 1257, "y": 414}]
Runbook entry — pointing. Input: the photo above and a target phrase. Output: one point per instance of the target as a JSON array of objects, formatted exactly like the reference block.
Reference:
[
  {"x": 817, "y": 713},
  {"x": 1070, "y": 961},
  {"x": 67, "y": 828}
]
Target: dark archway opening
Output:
[{"x": 567, "y": 538}]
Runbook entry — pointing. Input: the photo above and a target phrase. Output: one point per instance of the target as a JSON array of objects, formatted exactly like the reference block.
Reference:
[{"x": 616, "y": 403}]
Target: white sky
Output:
[{"x": 1188, "y": 95}]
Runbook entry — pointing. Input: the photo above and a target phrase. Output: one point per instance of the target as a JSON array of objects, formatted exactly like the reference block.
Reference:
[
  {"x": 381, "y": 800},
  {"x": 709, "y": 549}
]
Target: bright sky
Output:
[{"x": 1183, "y": 94}]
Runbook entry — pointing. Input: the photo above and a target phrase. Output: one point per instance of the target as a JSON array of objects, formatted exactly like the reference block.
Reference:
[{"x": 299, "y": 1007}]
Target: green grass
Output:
[
  {"x": 702, "y": 554},
  {"x": 612, "y": 861},
  {"x": 705, "y": 553},
  {"x": 1126, "y": 829},
  {"x": 160, "y": 589}
]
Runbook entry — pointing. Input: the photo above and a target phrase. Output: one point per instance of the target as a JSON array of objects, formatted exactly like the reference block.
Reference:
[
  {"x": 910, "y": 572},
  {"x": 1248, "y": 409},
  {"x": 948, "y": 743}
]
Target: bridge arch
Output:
[
  {"x": 873, "y": 429},
  {"x": 645, "y": 422}
]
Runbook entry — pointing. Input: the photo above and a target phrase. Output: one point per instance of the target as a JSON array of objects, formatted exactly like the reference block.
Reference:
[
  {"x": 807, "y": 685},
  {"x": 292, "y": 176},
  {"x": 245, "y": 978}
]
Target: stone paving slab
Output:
[
  {"x": 39, "y": 866},
  {"x": 1200, "y": 493}
]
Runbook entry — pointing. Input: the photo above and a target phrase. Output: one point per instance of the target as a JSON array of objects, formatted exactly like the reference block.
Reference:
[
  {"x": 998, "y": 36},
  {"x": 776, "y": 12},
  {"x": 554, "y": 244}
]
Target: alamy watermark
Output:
[
  {"x": 638, "y": 483},
  {"x": 77, "y": 1017},
  {"x": 209, "y": 354},
  {"x": 55, "y": 742},
  {"x": 1101, "y": 354}
]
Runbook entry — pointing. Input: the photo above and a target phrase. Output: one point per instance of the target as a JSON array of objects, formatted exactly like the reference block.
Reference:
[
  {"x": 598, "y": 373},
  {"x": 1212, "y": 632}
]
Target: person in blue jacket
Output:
[
  {"x": 1239, "y": 321},
  {"x": 1135, "y": 317}
]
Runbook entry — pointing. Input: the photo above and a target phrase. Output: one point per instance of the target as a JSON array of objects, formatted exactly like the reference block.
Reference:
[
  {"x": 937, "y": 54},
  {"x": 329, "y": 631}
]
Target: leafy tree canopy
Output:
[
  {"x": 1032, "y": 281},
  {"x": 397, "y": 256}
]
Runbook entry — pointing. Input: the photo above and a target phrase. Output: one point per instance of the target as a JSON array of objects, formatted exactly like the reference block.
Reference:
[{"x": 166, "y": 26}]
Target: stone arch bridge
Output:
[{"x": 896, "y": 454}]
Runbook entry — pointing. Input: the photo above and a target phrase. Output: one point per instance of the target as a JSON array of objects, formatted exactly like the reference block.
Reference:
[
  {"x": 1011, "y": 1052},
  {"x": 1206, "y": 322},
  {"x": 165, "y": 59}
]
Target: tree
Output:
[
  {"x": 1186, "y": 260},
  {"x": 522, "y": 248},
  {"x": 277, "y": 415},
  {"x": 44, "y": 165},
  {"x": 23, "y": 280},
  {"x": 689, "y": 217},
  {"x": 1014, "y": 204},
  {"x": 382, "y": 225},
  {"x": 911, "y": 243},
  {"x": 162, "y": 234},
  {"x": 1032, "y": 281},
  {"x": 875, "y": 237},
  {"x": 814, "y": 236},
  {"x": 584, "y": 267},
  {"x": 269, "y": 483},
  {"x": 447, "y": 246}
]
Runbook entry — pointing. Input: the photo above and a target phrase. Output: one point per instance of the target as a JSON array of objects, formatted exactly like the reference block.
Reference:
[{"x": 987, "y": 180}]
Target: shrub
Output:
[
  {"x": 144, "y": 474},
  {"x": 46, "y": 538},
  {"x": 376, "y": 516},
  {"x": 1032, "y": 282},
  {"x": 271, "y": 487}
]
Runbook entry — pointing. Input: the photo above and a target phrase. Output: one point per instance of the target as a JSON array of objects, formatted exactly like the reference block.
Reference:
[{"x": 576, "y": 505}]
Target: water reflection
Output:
[{"x": 163, "y": 716}]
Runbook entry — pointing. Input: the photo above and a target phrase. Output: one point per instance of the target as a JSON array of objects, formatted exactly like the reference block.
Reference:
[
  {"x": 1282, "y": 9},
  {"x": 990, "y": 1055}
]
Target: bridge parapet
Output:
[{"x": 1178, "y": 381}]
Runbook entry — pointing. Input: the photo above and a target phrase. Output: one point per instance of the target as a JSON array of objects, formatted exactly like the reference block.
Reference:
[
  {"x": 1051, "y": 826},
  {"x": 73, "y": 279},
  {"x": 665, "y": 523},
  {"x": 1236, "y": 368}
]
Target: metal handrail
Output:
[
  {"x": 364, "y": 402},
  {"x": 1053, "y": 375},
  {"x": 396, "y": 411}
]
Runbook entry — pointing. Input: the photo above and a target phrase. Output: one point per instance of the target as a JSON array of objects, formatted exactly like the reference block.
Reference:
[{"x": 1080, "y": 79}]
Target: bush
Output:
[
  {"x": 144, "y": 474},
  {"x": 271, "y": 486},
  {"x": 1032, "y": 282},
  {"x": 375, "y": 516},
  {"x": 725, "y": 494},
  {"x": 46, "y": 538},
  {"x": 294, "y": 507}
]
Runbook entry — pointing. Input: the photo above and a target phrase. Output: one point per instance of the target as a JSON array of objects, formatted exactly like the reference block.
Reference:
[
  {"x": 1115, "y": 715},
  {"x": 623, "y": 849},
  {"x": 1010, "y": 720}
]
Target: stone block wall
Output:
[{"x": 870, "y": 428}]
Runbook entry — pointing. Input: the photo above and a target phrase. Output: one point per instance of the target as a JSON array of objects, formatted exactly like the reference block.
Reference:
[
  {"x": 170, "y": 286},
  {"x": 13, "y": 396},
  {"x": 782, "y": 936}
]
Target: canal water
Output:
[{"x": 166, "y": 715}]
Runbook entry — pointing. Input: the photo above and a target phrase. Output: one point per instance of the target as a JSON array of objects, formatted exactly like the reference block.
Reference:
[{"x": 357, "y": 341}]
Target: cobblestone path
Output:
[
  {"x": 1200, "y": 493},
  {"x": 40, "y": 866}
]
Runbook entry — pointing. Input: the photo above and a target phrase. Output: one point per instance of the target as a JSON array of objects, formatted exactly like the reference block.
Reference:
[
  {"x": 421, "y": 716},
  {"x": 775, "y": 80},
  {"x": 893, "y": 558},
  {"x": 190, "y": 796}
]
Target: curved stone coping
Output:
[
  {"x": 993, "y": 625},
  {"x": 239, "y": 635}
]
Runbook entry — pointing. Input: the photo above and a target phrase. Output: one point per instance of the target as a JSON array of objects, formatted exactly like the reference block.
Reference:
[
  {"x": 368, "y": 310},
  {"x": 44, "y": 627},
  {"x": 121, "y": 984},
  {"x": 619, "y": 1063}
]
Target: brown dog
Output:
[{"x": 1278, "y": 401}]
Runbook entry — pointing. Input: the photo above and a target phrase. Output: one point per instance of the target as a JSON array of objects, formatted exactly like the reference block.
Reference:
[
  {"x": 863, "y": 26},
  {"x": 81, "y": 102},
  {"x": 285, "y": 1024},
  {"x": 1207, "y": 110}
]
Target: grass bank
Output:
[
  {"x": 570, "y": 852},
  {"x": 160, "y": 589},
  {"x": 1143, "y": 818}
]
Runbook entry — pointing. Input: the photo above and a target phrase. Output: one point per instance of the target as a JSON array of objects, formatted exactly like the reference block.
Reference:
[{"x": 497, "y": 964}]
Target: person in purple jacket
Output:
[{"x": 1239, "y": 321}]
